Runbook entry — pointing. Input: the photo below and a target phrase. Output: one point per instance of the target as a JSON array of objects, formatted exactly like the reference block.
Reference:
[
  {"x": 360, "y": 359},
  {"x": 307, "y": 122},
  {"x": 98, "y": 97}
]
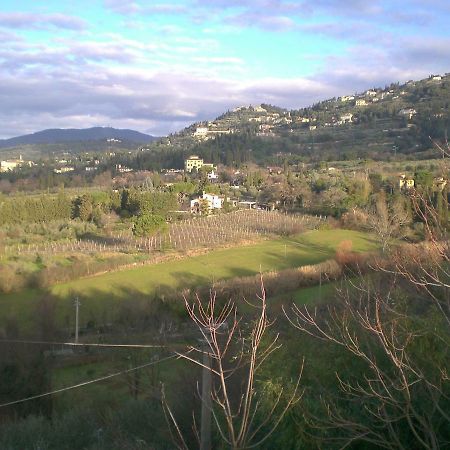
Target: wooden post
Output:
[{"x": 205, "y": 429}]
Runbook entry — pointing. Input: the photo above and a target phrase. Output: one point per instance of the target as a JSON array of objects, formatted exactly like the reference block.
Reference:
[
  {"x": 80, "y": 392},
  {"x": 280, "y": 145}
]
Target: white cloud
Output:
[{"x": 41, "y": 21}]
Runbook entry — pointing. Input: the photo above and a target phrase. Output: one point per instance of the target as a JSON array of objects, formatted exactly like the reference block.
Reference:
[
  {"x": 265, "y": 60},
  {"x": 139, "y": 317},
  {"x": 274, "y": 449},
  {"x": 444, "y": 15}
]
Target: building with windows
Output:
[
  {"x": 206, "y": 203},
  {"x": 193, "y": 162}
]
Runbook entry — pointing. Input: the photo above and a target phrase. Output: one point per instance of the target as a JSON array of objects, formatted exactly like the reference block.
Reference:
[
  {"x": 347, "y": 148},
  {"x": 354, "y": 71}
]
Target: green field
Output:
[
  {"x": 101, "y": 294},
  {"x": 307, "y": 295}
]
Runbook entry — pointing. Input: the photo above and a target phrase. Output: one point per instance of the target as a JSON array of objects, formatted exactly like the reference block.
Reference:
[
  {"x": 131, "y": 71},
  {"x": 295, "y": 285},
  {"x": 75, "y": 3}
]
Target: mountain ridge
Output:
[{"x": 64, "y": 135}]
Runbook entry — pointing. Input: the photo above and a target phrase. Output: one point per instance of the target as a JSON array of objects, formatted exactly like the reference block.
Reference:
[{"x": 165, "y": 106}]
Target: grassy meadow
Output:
[{"x": 101, "y": 295}]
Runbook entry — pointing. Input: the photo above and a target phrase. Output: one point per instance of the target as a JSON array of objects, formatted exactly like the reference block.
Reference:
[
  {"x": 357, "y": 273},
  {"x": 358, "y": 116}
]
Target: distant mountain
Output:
[{"x": 55, "y": 136}]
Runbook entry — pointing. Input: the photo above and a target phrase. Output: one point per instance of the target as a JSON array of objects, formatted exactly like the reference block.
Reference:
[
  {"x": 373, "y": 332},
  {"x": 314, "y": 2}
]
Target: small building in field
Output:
[{"x": 206, "y": 201}]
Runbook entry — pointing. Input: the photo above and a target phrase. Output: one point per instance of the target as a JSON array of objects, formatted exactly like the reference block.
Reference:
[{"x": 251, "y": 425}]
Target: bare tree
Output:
[
  {"x": 388, "y": 220},
  {"x": 237, "y": 354},
  {"x": 395, "y": 323}
]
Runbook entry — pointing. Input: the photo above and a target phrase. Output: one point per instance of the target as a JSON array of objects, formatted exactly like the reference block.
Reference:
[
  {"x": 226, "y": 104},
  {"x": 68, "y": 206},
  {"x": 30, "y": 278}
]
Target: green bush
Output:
[{"x": 146, "y": 224}]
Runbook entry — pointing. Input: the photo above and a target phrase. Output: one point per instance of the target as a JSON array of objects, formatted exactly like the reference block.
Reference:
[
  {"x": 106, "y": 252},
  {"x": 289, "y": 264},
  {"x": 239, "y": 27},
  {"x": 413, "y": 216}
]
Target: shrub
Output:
[
  {"x": 8, "y": 279},
  {"x": 146, "y": 224}
]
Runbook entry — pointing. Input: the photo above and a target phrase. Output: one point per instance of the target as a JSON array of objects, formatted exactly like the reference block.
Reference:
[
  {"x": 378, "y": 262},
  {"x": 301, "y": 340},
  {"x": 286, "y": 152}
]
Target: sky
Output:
[{"x": 158, "y": 66}]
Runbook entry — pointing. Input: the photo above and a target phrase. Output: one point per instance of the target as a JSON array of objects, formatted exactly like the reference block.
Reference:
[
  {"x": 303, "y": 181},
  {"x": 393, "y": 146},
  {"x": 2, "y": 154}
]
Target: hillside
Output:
[
  {"x": 394, "y": 121},
  {"x": 74, "y": 140},
  {"x": 380, "y": 123}
]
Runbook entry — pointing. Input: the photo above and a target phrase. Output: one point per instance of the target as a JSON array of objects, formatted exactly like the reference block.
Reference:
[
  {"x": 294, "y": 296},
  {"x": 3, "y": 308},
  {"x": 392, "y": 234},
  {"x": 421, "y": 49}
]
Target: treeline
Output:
[
  {"x": 87, "y": 207},
  {"x": 45, "y": 208}
]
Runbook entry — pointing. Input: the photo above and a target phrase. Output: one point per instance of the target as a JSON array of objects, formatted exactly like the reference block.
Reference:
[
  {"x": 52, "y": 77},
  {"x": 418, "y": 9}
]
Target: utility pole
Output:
[
  {"x": 320, "y": 287},
  {"x": 77, "y": 307},
  {"x": 205, "y": 429},
  {"x": 395, "y": 148}
]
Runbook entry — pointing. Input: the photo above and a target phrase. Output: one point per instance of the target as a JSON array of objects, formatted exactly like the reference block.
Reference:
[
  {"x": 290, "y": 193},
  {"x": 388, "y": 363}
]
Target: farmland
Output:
[{"x": 101, "y": 295}]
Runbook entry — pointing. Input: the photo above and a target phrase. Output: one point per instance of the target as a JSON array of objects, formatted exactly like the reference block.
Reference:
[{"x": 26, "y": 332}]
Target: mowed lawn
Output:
[{"x": 101, "y": 293}]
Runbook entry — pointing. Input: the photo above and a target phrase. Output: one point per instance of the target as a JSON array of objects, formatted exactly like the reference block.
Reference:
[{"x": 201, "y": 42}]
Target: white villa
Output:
[{"x": 212, "y": 200}]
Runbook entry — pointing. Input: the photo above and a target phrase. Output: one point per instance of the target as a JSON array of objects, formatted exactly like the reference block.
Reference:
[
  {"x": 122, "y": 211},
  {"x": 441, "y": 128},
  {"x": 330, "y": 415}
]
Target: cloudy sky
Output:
[{"x": 157, "y": 66}]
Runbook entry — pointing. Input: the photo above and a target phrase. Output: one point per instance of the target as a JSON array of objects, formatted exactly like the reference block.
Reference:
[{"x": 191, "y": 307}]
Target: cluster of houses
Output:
[
  {"x": 11, "y": 164},
  {"x": 65, "y": 166},
  {"x": 230, "y": 123},
  {"x": 370, "y": 96},
  {"x": 268, "y": 120},
  {"x": 61, "y": 165},
  {"x": 204, "y": 133}
]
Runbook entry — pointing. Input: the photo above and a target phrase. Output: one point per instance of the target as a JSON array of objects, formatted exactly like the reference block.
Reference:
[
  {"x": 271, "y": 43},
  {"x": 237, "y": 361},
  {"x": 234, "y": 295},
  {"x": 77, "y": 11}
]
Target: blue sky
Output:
[{"x": 157, "y": 66}]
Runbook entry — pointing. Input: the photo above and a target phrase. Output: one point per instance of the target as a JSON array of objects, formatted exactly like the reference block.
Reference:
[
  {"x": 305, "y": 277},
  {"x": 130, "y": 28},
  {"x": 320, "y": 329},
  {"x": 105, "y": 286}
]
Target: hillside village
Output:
[
  {"x": 380, "y": 123},
  {"x": 266, "y": 120}
]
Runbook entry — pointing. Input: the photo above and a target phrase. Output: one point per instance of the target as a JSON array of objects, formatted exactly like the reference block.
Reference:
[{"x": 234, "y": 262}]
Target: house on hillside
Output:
[
  {"x": 345, "y": 118},
  {"x": 123, "y": 169},
  {"x": 259, "y": 109},
  {"x": 66, "y": 169},
  {"x": 201, "y": 132},
  {"x": 409, "y": 112},
  {"x": 212, "y": 176},
  {"x": 193, "y": 162},
  {"x": 360, "y": 102}
]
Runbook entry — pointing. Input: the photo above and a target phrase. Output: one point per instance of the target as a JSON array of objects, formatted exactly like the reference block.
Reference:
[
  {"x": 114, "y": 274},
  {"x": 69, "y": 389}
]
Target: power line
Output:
[
  {"x": 75, "y": 344},
  {"x": 85, "y": 383}
]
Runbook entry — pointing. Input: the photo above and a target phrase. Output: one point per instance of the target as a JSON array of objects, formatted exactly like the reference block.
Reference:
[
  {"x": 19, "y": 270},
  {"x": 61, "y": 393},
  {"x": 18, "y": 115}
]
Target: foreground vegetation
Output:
[{"x": 384, "y": 338}]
